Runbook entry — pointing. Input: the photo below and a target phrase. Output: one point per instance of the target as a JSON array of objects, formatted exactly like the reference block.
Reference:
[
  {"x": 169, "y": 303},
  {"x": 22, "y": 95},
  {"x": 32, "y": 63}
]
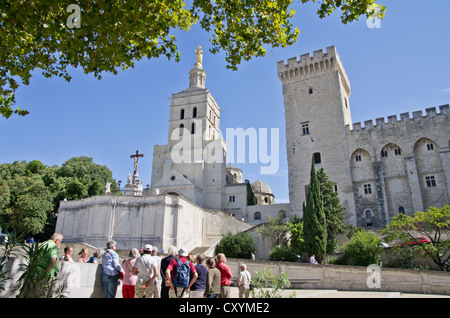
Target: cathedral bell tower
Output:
[{"x": 185, "y": 165}]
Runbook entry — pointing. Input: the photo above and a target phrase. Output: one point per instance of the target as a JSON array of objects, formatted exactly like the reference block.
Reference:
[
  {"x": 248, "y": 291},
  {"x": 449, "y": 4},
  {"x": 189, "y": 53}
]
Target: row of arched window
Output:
[
  {"x": 212, "y": 117},
  {"x": 368, "y": 213},
  {"x": 257, "y": 215},
  {"x": 394, "y": 150},
  {"x": 182, "y": 129},
  {"x": 194, "y": 113}
]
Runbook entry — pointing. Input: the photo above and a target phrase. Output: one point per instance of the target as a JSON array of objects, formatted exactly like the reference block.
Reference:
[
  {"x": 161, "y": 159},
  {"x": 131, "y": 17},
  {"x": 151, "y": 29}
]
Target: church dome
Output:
[{"x": 260, "y": 187}]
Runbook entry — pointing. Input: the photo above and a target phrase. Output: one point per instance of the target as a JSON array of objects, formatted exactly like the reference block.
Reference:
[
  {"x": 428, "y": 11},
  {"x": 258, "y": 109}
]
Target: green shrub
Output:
[
  {"x": 363, "y": 249},
  {"x": 268, "y": 285},
  {"x": 284, "y": 253},
  {"x": 240, "y": 245}
]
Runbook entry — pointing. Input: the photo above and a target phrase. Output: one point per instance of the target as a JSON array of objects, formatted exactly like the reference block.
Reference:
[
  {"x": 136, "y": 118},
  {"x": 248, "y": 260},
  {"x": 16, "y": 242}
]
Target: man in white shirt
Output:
[
  {"x": 146, "y": 270},
  {"x": 312, "y": 260},
  {"x": 244, "y": 282}
]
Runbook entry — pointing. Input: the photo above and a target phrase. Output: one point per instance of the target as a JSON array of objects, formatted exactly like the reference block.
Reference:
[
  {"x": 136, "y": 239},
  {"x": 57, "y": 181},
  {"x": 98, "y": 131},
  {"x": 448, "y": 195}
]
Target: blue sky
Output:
[{"x": 400, "y": 67}]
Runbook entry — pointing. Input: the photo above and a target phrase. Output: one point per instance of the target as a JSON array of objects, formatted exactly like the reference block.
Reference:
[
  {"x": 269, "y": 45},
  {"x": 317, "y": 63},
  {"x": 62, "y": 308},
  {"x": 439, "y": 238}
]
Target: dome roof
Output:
[
  {"x": 260, "y": 187},
  {"x": 230, "y": 166}
]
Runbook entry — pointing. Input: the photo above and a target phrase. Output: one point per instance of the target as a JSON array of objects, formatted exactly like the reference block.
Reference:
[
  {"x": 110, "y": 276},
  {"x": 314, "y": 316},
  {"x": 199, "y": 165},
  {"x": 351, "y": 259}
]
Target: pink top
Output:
[
  {"x": 83, "y": 260},
  {"x": 128, "y": 278}
]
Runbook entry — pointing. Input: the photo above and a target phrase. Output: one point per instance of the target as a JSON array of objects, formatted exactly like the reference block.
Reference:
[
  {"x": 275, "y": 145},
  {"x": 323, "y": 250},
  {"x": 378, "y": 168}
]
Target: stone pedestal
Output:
[{"x": 134, "y": 189}]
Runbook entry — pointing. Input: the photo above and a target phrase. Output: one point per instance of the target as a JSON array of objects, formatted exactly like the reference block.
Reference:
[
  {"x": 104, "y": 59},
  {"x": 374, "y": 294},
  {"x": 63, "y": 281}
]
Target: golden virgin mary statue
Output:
[{"x": 199, "y": 56}]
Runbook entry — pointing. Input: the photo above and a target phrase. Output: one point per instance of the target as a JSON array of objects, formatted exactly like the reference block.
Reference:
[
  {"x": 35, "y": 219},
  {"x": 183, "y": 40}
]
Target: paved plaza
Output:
[{"x": 333, "y": 293}]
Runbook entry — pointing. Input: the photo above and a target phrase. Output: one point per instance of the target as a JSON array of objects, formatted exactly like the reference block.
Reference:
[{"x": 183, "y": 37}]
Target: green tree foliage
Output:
[
  {"x": 85, "y": 178},
  {"x": 297, "y": 240},
  {"x": 29, "y": 212},
  {"x": 268, "y": 285},
  {"x": 433, "y": 224},
  {"x": 250, "y": 195},
  {"x": 363, "y": 249},
  {"x": 334, "y": 211},
  {"x": 285, "y": 253},
  {"x": 314, "y": 221},
  {"x": 275, "y": 229},
  {"x": 239, "y": 245},
  {"x": 334, "y": 214},
  {"x": 30, "y": 191},
  {"x": 25, "y": 204},
  {"x": 106, "y": 36}
]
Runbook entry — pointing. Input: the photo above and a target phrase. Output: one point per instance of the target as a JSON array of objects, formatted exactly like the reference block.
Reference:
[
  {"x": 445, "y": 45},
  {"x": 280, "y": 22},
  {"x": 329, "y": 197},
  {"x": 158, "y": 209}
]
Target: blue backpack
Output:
[{"x": 183, "y": 275}]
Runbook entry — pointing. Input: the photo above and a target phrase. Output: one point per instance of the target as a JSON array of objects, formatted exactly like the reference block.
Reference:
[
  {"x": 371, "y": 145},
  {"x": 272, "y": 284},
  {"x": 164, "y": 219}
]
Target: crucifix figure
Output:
[{"x": 136, "y": 159}]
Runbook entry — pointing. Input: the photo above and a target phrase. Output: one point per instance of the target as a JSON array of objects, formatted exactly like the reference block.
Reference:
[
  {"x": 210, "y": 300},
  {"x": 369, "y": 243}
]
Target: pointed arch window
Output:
[{"x": 181, "y": 129}]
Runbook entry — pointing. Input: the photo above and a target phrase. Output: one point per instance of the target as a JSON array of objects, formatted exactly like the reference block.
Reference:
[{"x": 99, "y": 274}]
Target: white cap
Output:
[
  {"x": 183, "y": 251},
  {"x": 148, "y": 248}
]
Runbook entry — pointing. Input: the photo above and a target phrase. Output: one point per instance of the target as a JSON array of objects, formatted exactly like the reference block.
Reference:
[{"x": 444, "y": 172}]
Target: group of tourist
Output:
[
  {"x": 177, "y": 275},
  {"x": 146, "y": 274},
  {"x": 68, "y": 251}
]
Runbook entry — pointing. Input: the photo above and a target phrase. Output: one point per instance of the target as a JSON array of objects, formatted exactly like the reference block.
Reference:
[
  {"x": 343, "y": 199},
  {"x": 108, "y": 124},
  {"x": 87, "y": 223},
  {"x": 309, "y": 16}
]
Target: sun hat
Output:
[{"x": 183, "y": 251}]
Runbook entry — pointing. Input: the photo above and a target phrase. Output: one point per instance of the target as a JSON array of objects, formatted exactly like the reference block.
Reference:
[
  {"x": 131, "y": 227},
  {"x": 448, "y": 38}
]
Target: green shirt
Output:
[
  {"x": 51, "y": 251},
  {"x": 213, "y": 282}
]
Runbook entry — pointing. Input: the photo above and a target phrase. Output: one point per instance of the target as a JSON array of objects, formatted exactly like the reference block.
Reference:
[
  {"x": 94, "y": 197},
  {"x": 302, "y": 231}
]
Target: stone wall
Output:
[
  {"x": 74, "y": 280},
  {"x": 159, "y": 220},
  {"x": 351, "y": 278},
  {"x": 216, "y": 224}
]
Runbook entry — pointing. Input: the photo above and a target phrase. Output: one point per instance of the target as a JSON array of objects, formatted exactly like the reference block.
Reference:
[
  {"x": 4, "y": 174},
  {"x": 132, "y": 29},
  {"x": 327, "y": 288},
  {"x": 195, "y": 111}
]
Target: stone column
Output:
[
  {"x": 381, "y": 193},
  {"x": 413, "y": 179},
  {"x": 445, "y": 158}
]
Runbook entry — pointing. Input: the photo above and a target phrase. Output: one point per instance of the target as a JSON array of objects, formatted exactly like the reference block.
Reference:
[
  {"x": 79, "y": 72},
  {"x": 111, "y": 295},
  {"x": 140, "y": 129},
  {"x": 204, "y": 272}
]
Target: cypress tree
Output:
[
  {"x": 334, "y": 211},
  {"x": 250, "y": 194},
  {"x": 314, "y": 221}
]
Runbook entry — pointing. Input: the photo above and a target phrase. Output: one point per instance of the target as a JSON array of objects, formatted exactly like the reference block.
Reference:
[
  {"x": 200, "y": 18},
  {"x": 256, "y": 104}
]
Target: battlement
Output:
[
  {"x": 310, "y": 66},
  {"x": 393, "y": 120}
]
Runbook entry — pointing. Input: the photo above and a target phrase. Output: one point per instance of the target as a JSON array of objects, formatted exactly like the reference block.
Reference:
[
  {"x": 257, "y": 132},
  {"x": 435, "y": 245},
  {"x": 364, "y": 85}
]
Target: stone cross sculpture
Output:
[
  {"x": 136, "y": 159},
  {"x": 199, "y": 56}
]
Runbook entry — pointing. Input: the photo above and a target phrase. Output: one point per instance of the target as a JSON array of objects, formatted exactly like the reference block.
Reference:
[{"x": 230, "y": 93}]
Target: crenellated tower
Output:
[{"x": 316, "y": 93}]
